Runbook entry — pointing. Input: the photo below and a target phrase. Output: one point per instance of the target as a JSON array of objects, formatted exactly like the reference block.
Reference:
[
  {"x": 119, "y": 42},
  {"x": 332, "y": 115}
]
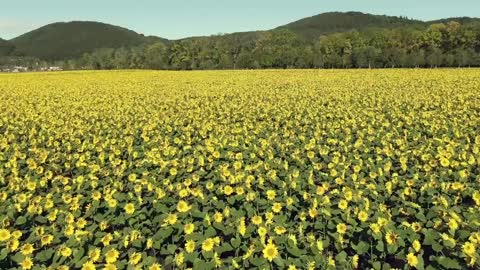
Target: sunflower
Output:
[
  {"x": 277, "y": 207},
  {"x": 271, "y": 195},
  {"x": 171, "y": 219},
  {"x": 218, "y": 217},
  {"x": 135, "y": 258},
  {"x": 341, "y": 228},
  {"x": 27, "y": 249},
  {"x": 17, "y": 234},
  {"x": 343, "y": 204},
  {"x": 111, "y": 256},
  {"x": 412, "y": 260},
  {"x": 27, "y": 263},
  {"x": 129, "y": 208},
  {"x": 469, "y": 249},
  {"x": 270, "y": 252},
  {"x": 189, "y": 228},
  {"x": 155, "y": 266},
  {"x": 227, "y": 190},
  {"x": 257, "y": 220},
  {"x": 183, "y": 206},
  {"x": 416, "y": 246},
  {"x": 208, "y": 244},
  {"x": 262, "y": 231},
  {"x": 88, "y": 266},
  {"x": 65, "y": 251},
  {"x": 355, "y": 259},
  {"x": 190, "y": 246},
  {"x": 362, "y": 216},
  {"x": 110, "y": 266},
  {"x": 94, "y": 254},
  {"x": 46, "y": 239},
  {"x": 96, "y": 195},
  {"x": 4, "y": 235},
  {"x": 452, "y": 224},
  {"x": 391, "y": 237},
  {"x": 13, "y": 244},
  {"x": 280, "y": 230},
  {"x": 106, "y": 239}
]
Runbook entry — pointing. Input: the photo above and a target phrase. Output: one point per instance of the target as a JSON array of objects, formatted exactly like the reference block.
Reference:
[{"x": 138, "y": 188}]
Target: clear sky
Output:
[{"x": 175, "y": 19}]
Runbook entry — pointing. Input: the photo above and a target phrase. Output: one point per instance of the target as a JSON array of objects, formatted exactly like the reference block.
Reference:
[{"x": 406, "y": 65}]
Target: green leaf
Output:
[
  {"x": 430, "y": 237},
  {"x": 225, "y": 248},
  {"x": 294, "y": 251},
  {"x": 279, "y": 261},
  {"x": 3, "y": 254},
  {"x": 210, "y": 232},
  {"x": 163, "y": 233},
  {"x": 436, "y": 246},
  {"x": 21, "y": 220},
  {"x": 362, "y": 248},
  {"x": 45, "y": 255},
  {"x": 235, "y": 242},
  {"x": 448, "y": 263},
  {"x": 171, "y": 248},
  {"x": 341, "y": 257},
  {"x": 392, "y": 249},
  {"x": 421, "y": 217},
  {"x": 258, "y": 261},
  {"x": 199, "y": 264},
  {"x": 421, "y": 263},
  {"x": 380, "y": 246}
]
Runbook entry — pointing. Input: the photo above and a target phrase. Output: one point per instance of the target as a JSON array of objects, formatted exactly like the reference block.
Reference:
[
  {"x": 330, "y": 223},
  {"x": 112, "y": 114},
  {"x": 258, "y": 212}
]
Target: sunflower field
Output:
[{"x": 330, "y": 169}]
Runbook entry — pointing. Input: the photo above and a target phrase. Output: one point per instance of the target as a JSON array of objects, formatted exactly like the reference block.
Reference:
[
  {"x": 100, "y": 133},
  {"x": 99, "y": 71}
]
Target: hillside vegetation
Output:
[
  {"x": 334, "y": 22},
  {"x": 69, "y": 40},
  {"x": 328, "y": 40}
]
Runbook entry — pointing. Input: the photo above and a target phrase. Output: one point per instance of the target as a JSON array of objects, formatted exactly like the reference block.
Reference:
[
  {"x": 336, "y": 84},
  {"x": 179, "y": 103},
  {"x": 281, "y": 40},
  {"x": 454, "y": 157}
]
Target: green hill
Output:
[
  {"x": 72, "y": 39},
  {"x": 333, "y": 22},
  {"x": 6, "y": 48}
]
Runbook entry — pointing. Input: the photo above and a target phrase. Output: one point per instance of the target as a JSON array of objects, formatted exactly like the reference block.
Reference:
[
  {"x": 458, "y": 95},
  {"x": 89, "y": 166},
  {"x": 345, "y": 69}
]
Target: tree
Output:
[
  {"x": 434, "y": 58},
  {"x": 416, "y": 59},
  {"x": 121, "y": 58},
  {"x": 277, "y": 49},
  {"x": 156, "y": 56},
  {"x": 245, "y": 60}
]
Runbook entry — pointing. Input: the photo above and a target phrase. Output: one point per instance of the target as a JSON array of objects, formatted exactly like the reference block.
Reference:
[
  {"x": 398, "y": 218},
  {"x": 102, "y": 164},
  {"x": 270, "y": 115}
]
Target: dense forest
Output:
[
  {"x": 439, "y": 45},
  {"x": 353, "y": 40}
]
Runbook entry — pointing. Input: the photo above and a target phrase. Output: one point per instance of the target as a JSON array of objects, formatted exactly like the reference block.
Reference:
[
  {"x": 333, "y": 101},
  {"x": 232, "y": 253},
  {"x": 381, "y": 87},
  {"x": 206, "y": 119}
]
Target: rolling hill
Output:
[
  {"x": 72, "y": 39},
  {"x": 332, "y": 22}
]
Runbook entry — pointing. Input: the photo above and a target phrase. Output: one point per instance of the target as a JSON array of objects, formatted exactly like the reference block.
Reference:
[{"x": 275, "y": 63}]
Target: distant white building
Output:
[
  {"x": 19, "y": 69},
  {"x": 55, "y": 69}
]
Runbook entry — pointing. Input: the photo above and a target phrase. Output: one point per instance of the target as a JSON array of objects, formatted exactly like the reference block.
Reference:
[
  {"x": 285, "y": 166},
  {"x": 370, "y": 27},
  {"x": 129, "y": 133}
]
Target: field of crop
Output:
[{"x": 250, "y": 169}]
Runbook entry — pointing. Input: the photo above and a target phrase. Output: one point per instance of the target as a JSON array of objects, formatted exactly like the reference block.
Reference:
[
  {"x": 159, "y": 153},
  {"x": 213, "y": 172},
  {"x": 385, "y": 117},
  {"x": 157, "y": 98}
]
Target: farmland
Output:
[{"x": 330, "y": 169}]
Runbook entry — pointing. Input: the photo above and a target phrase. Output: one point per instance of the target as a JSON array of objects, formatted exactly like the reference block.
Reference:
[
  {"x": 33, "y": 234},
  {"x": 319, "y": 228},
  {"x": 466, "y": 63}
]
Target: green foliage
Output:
[
  {"x": 329, "y": 40},
  {"x": 335, "y": 22}
]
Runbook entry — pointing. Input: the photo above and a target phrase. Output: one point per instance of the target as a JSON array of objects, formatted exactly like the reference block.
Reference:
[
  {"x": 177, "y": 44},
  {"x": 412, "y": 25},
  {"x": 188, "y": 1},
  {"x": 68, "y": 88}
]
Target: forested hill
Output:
[
  {"x": 6, "y": 47},
  {"x": 72, "y": 39},
  {"x": 335, "y": 22}
]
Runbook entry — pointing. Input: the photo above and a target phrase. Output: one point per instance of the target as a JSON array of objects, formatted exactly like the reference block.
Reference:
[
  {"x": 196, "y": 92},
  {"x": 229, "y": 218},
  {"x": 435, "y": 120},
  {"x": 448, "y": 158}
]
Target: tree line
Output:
[{"x": 448, "y": 44}]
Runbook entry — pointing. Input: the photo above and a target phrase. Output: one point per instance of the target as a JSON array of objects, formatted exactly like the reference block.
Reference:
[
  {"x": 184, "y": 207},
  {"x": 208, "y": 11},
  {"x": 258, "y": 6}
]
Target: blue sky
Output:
[{"x": 182, "y": 18}]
